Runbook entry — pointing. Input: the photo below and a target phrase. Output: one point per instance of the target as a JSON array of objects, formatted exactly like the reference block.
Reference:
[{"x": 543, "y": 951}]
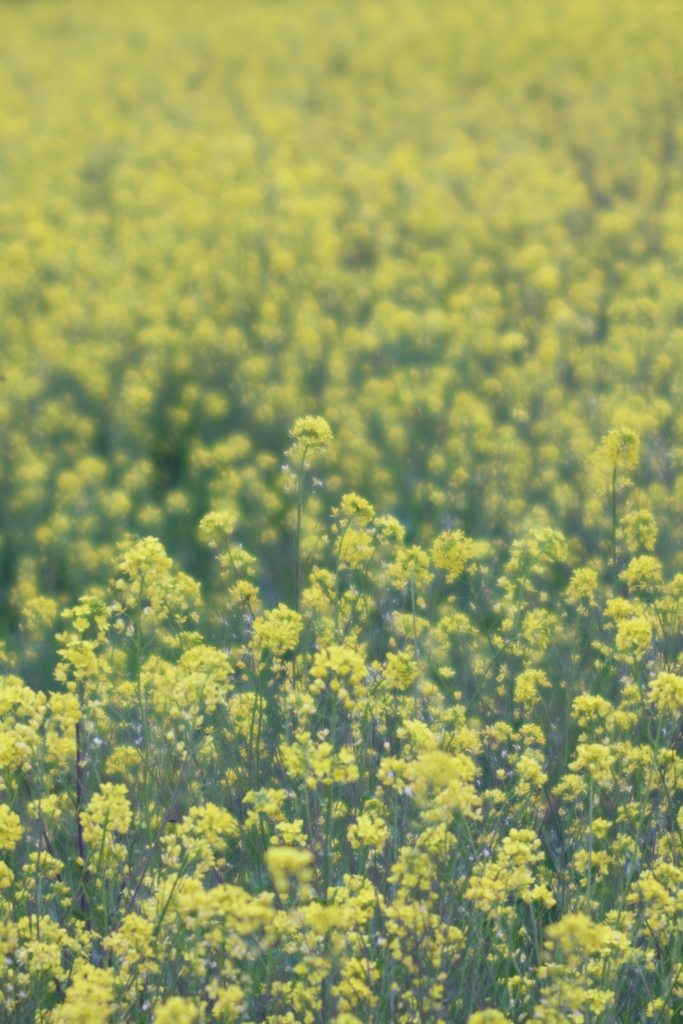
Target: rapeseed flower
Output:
[{"x": 349, "y": 763}]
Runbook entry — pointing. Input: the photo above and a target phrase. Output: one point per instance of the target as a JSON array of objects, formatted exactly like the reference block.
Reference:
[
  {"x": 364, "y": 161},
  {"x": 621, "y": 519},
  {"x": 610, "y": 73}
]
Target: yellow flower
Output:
[
  {"x": 287, "y": 864},
  {"x": 109, "y": 811},
  {"x": 666, "y": 692},
  {"x": 342, "y": 670},
  {"x": 622, "y": 447},
  {"x": 591, "y": 710},
  {"x": 89, "y": 999},
  {"x": 353, "y": 507},
  {"x": 511, "y": 872},
  {"x": 577, "y": 933},
  {"x": 640, "y": 529},
  {"x": 531, "y": 775},
  {"x": 442, "y": 784},
  {"x": 643, "y": 574},
  {"x": 582, "y": 588},
  {"x": 488, "y": 1017},
  {"x": 453, "y": 552},
  {"x": 369, "y": 830},
  {"x": 401, "y": 670},
  {"x": 633, "y": 637},
  {"x": 176, "y": 1010},
  {"x": 227, "y": 1000},
  {"x": 204, "y": 832},
  {"x": 216, "y": 525},
  {"x": 278, "y": 631},
  {"x": 596, "y": 760},
  {"x": 411, "y": 568},
  {"x": 527, "y": 685},
  {"x": 312, "y": 433},
  {"x": 10, "y": 828}
]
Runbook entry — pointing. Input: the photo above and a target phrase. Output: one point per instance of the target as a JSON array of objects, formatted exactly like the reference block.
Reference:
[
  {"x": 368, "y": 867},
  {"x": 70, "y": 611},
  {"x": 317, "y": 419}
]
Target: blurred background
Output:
[{"x": 454, "y": 230}]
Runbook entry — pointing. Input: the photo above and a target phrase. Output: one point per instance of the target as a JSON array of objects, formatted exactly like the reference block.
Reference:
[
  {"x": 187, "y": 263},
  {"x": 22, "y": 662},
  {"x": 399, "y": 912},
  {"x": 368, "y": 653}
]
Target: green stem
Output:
[
  {"x": 412, "y": 604},
  {"x": 79, "y": 827},
  {"x": 328, "y": 829},
  {"x": 261, "y": 703},
  {"x": 143, "y": 716},
  {"x": 589, "y": 879},
  {"x": 297, "y": 542},
  {"x": 614, "y": 531}
]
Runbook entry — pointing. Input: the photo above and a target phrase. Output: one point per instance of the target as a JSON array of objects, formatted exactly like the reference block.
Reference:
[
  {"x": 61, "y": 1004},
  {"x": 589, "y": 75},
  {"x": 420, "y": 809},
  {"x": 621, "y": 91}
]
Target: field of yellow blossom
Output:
[{"x": 341, "y": 479}]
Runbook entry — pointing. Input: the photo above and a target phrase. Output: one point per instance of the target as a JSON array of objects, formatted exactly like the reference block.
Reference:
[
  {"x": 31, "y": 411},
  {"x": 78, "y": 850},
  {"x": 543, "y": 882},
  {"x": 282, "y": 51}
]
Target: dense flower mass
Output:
[
  {"x": 341, "y": 558},
  {"x": 452, "y": 230},
  {"x": 431, "y": 794}
]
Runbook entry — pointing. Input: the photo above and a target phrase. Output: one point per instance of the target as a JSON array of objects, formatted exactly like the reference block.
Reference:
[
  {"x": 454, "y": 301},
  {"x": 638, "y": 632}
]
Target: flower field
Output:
[{"x": 341, "y": 548}]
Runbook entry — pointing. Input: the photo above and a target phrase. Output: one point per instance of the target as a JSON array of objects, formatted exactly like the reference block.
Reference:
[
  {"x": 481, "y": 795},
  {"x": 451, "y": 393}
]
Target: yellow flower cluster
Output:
[
  {"x": 312, "y": 823},
  {"x": 385, "y": 729}
]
